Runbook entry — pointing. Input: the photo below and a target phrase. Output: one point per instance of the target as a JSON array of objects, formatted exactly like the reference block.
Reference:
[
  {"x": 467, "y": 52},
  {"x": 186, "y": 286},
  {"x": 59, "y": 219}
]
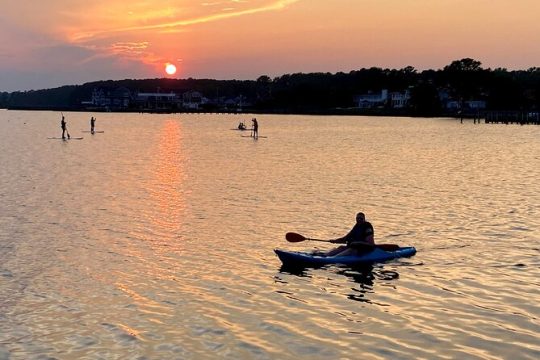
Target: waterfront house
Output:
[
  {"x": 109, "y": 99},
  {"x": 156, "y": 100},
  {"x": 372, "y": 100},
  {"x": 193, "y": 100},
  {"x": 400, "y": 100}
]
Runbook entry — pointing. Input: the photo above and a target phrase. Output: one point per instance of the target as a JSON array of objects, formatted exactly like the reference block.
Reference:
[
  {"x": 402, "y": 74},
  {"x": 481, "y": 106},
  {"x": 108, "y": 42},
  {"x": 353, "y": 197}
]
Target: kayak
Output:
[{"x": 297, "y": 258}]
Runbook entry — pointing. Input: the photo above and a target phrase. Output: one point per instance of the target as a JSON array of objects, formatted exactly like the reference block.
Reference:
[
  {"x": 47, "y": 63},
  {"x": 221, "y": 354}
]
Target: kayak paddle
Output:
[{"x": 294, "y": 237}]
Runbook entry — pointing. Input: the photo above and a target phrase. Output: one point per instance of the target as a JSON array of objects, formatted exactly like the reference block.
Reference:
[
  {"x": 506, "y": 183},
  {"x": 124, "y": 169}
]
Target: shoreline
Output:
[
  {"x": 488, "y": 117},
  {"x": 315, "y": 112}
]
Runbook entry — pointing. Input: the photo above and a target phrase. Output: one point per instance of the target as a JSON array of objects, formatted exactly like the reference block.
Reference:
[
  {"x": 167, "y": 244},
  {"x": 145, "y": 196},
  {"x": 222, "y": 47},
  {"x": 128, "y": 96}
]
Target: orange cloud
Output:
[{"x": 170, "y": 18}]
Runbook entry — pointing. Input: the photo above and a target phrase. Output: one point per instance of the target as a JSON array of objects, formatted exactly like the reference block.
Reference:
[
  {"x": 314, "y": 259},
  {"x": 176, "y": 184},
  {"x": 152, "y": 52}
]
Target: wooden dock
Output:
[{"x": 512, "y": 117}]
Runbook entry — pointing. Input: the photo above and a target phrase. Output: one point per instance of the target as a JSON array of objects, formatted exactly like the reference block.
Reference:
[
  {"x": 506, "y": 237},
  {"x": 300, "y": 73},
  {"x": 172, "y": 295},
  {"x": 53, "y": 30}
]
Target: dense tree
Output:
[
  {"x": 425, "y": 100},
  {"x": 464, "y": 65},
  {"x": 461, "y": 80}
]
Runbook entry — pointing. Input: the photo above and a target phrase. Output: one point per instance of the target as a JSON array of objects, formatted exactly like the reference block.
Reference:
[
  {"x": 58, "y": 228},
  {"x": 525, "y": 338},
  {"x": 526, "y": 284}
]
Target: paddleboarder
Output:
[
  {"x": 92, "y": 124},
  {"x": 64, "y": 128},
  {"x": 255, "y": 128},
  {"x": 358, "y": 240}
]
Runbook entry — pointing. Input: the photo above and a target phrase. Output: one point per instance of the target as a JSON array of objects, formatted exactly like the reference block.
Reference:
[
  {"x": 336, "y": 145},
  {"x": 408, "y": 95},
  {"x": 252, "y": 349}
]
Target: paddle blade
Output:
[{"x": 294, "y": 237}]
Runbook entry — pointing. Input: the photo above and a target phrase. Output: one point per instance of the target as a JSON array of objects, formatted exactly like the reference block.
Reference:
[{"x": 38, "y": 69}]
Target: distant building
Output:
[
  {"x": 450, "y": 103},
  {"x": 193, "y": 100},
  {"x": 109, "y": 99},
  {"x": 235, "y": 104},
  {"x": 371, "y": 100},
  {"x": 395, "y": 100},
  {"x": 400, "y": 100},
  {"x": 157, "y": 100},
  {"x": 456, "y": 105},
  {"x": 476, "y": 104}
]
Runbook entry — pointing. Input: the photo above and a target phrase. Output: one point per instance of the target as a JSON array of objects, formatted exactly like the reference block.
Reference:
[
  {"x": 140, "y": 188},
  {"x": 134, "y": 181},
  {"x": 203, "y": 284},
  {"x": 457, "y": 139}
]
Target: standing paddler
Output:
[
  {"x": 63, "y": 125},
  {"x": 255, "y": 128}
]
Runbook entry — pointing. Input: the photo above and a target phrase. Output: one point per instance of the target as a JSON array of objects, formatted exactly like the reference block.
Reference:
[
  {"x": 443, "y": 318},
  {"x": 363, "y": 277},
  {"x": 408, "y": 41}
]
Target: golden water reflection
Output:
[{"x": 167, "y": 189}]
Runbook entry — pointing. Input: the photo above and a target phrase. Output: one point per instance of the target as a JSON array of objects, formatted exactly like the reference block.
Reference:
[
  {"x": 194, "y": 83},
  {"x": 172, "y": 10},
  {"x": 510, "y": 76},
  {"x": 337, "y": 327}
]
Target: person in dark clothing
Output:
[
  {"x": 255, "y": 128},
  {"x": 64, "y": 128},
  {"x": 359, "y": 240},
  {"x": 92, "y": 124}
]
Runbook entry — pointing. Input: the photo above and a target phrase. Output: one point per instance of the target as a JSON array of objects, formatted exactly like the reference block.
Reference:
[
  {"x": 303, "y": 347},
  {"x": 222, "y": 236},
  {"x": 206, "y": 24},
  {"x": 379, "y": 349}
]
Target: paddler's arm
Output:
[
  {"x": 338, "y": 241},
  {"x": 342, "y": 240}
]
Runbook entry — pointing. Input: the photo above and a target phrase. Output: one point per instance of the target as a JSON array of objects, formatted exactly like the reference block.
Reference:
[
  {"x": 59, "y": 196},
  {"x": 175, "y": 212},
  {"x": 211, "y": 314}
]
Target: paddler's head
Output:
[{"x": 360, "y": 217}]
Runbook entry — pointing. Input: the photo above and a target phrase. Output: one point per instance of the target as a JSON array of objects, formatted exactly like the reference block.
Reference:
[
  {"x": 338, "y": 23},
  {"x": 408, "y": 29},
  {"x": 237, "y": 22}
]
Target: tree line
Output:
[{"x": 461, "y": 80}]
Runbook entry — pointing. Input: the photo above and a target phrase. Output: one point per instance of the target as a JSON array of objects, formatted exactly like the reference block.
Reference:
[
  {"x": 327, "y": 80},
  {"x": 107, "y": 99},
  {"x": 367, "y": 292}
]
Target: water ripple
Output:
[{"x": 156, "y": 239}]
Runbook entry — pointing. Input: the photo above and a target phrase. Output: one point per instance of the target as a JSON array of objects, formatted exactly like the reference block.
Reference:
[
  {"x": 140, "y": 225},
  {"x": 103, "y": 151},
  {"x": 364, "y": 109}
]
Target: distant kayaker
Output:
[
  {"x": 241, "y": 126},
  {"x": 358, "y": 240},
  {"x": 64, "y": 128},
  {"x": 255, "y": 128},
  {"x": 92, "y": 124}
]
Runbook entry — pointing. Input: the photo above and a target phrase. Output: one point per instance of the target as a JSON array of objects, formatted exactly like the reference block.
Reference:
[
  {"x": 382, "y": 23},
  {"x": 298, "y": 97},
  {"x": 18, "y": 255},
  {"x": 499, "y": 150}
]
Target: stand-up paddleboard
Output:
[
  {"x": 59, "y": 138},
  {"x": 242, "y": 129},
  {"x": 87, "y": 131},
  {"x": 255, "y": 137}
]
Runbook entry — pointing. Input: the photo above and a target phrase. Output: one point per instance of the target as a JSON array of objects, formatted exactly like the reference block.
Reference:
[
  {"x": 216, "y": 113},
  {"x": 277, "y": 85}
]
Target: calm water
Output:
[{"x": 154, "y": 239}]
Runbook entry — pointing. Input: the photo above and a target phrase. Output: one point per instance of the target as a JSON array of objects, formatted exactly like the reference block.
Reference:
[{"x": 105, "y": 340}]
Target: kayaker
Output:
[{"x": 358, "y": 240}]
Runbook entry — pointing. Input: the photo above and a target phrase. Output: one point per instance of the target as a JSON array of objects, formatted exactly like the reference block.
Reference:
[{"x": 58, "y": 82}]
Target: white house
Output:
[
  {"x": 156, "y": 100},
  {"x": 193, "y": 100},
  {"x": 370, "y": 100},
  {"x": 118, "y": 98},
  {"x": 399, "y": 100},
  {"x": 467, "y": 105},
  {"x": 396, "y": 99}
]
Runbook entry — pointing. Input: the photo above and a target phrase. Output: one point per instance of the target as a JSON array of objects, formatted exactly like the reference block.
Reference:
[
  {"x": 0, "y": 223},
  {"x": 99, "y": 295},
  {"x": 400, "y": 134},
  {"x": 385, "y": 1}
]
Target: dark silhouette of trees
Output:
[
  {"x": 462, "y": 80},
  {"x": 465, "y": 78},
  {"x": 464, "y": 65},
  {"x": 425, "y": 100}
]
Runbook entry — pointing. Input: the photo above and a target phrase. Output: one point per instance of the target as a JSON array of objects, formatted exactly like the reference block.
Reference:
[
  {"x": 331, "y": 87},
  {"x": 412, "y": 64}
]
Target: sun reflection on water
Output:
[{"x": 167, "y": 181}]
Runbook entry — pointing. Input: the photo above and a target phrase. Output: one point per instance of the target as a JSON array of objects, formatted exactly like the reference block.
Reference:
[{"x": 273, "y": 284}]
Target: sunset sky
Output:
[{"x": 45, "y": 44}]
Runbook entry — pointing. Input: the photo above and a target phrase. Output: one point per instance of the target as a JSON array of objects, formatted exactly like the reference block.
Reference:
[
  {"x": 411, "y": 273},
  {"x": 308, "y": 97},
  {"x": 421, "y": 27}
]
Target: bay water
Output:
[{"x": 155, "y": 238}]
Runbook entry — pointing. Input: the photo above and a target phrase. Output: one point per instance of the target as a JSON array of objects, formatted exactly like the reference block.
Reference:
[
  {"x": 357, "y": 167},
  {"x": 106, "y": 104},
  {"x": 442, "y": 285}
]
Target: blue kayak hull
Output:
[{"x": 296, "y": 258}]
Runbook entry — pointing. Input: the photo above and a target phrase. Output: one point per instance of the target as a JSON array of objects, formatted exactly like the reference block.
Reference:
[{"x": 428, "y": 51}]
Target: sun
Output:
[{"x": 170, "y": 69}]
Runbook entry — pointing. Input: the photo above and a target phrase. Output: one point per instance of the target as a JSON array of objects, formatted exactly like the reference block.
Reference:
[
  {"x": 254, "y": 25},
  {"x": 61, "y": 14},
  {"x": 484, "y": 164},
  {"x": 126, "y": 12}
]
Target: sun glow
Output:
[{"x": 170, "y": 69}]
